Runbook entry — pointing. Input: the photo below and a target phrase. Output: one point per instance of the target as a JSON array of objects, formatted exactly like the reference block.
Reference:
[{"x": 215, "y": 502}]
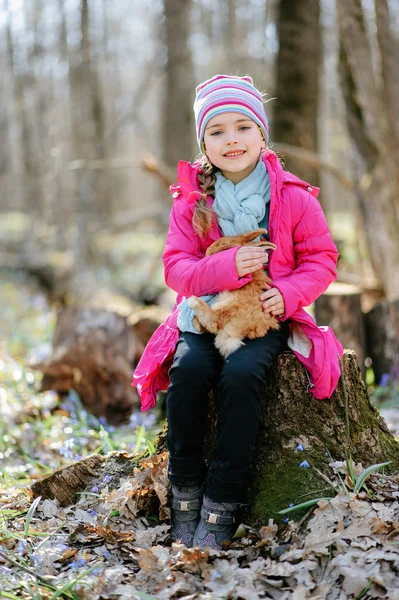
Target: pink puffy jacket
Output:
[{"x": 302, "y": 267}]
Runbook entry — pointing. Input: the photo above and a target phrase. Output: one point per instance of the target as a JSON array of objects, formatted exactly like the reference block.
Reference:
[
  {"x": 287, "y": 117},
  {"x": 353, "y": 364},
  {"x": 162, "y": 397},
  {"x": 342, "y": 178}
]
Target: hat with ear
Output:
[{"x": 227, "y": 93}]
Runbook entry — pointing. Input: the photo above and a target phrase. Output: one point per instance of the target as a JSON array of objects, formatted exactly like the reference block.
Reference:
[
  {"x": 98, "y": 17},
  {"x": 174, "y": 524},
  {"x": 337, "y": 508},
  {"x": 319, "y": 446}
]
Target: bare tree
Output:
[
  {"x": 297, "y": 87},
  {"x": 372, "y": 113},
  {"x": 179, "y": 84},
  {"x": 87, "y": 134}
]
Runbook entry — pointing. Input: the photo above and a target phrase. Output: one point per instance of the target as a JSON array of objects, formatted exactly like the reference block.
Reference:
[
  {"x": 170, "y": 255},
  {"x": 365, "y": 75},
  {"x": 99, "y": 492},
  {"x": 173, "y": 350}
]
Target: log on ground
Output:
[{"x": 95, "y": 352}]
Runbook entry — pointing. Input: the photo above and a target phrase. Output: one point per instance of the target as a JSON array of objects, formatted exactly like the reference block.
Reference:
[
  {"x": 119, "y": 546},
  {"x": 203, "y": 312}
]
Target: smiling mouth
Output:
[{"x": 234, "y": 154}]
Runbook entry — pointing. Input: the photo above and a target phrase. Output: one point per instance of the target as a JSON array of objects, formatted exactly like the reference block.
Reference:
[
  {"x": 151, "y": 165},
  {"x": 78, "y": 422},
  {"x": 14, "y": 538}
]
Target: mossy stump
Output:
[{"x": 293, "y": 419}]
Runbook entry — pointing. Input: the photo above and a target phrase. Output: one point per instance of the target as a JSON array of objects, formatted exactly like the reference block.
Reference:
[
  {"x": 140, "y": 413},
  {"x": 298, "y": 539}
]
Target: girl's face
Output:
[{"x": 233, "y": 143}]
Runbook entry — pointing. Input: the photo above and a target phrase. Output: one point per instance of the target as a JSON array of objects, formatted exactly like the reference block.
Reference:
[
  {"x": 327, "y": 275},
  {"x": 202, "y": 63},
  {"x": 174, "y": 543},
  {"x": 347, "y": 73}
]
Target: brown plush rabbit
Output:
[{"x": 235, "y": 314}]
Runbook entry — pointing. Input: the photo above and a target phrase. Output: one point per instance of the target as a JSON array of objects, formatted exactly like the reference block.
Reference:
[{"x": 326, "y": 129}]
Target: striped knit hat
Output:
[{"x": 226, "y": 93}]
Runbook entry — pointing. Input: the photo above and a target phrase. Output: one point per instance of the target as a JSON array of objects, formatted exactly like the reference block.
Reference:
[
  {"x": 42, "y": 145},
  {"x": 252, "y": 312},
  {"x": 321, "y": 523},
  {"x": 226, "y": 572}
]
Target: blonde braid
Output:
[{"x": 202, "y": 217}]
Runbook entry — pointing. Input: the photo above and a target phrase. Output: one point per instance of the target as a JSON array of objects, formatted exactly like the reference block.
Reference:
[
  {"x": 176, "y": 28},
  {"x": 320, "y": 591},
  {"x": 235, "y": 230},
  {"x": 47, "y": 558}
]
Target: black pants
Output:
[{"x": 197, "y": 368}]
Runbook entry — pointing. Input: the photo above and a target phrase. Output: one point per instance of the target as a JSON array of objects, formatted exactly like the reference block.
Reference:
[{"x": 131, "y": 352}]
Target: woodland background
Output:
[
  {"x": 90, "y": 90},
  {"x": 95, "y": 111}
]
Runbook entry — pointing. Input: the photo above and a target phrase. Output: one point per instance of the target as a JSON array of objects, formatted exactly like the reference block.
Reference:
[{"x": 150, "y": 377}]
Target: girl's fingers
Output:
[
  {"x": 270, "y": 293},
  {"x": 249, "y": 259},
  {"x": 270, "y": 305},
  {"x": 252, "y": 254},
  {"x": 255, "y": 267}
]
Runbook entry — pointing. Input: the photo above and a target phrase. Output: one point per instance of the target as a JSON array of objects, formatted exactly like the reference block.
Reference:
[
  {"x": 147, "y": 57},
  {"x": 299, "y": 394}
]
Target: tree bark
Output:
[
  {"x": 291, "y": 420},
  {"x": 297, "y": 88},
  {"x": 389, "y": 67},
  {"x": 368, "y": 116},
  {"x": 382, "y": 326},
  {"x": 178, "y": 124},
  {"x": 87, "y": 118}
]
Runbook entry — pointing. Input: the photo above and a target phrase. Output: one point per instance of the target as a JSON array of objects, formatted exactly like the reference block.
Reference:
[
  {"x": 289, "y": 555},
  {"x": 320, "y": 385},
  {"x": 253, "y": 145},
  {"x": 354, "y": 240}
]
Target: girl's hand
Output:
[
  {"x": 249, "y": 259},
  {"x": 273, "y": 301}
]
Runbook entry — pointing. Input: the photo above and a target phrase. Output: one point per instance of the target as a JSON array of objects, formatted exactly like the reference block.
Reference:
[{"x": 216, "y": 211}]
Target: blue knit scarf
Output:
[{"x": 240, "y": 208}]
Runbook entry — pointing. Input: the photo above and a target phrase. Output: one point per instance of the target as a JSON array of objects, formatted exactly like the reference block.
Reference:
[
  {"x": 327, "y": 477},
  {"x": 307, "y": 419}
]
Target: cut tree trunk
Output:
[
  {"x": 95, "y": 352},
  {"x": 292, "y": 419},
  {"x": 340, "y": 308},
  {"x": 382, "y": 330}
]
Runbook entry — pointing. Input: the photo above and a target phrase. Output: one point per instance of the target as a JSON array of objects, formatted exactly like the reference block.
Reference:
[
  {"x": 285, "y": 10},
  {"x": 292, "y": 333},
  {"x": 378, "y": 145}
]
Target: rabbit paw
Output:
[{"x": 193, "y": 301}]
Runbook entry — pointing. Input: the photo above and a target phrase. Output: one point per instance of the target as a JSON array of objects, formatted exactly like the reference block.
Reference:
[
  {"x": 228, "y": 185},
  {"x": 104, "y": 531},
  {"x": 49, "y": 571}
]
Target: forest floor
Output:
[{"x": 103, "y": 547}]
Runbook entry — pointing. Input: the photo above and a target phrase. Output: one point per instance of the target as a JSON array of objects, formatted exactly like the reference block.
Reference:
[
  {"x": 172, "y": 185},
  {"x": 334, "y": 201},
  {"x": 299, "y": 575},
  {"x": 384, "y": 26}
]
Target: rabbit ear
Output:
[
  {"x": 264, "y": 244},
  {"x": 251, "y": 235}
]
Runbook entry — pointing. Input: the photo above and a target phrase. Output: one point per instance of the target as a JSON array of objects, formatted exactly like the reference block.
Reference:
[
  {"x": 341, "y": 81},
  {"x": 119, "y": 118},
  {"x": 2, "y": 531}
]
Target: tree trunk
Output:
[
  {"x": 369, "y": 116},
  {"x": 291, "y": 420},
  {"x": 178, "y": 124},
  {"x": 297, "y": 89},
  {"x": 382, "y": 326},
  {"x": 88, "y": 135}
]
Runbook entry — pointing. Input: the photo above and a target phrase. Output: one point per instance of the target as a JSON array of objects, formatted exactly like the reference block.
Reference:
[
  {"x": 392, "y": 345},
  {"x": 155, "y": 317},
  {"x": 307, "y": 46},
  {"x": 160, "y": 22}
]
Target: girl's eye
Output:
[{"x": 241, "y": 128}]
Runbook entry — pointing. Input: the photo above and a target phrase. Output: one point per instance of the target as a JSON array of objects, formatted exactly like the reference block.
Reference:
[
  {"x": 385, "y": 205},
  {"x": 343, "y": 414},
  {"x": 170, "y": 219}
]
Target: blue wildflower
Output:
[
  {"x": 103, "y": 420},
  {"x": 304, "y": 464},
  {"x": 21, "y": 547},
  {"x": 291, "y": 504},
  {"x": 92, "y": 513},
  {"x": 95, "y": 489},
  {"x": 299, "y": 448},
  {"x": 150, "y": 420},
  {"x": 81, "y": 562},
  {"x": 66, "y": 453},
  {"x": 384, "y": 379},
  {"x": 135, "y": 419},
  {"x": 74, "y": 565},
  {"x": 107, "y": 554},
  {"x": 286, "y": 520},
  {"x": 107, "y": 479}
]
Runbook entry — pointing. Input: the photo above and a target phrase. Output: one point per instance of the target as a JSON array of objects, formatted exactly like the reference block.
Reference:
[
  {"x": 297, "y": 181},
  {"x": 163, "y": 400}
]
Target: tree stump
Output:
[
  {"x": 292, "y": 419},
  {"x": 382, "y": 330},
  {"x": 294, "y": 428},
  {"x": 95, "y": 352},
  {"x": 340, "y": 308}
]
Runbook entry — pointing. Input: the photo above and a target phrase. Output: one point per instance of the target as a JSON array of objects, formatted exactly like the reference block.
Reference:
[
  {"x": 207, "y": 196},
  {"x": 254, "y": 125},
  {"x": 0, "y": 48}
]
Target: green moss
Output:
[{"x": 283, "y": 482}]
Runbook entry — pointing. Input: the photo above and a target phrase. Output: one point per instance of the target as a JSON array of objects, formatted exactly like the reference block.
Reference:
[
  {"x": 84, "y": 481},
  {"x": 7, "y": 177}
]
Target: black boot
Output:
[
  {"x": 186, "y": 513},
  {"x": 219, "y": 522}
]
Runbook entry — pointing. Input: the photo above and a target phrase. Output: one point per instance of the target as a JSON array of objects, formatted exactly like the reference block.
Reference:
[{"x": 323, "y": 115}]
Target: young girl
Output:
[{"x": 236, "y": 186}]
